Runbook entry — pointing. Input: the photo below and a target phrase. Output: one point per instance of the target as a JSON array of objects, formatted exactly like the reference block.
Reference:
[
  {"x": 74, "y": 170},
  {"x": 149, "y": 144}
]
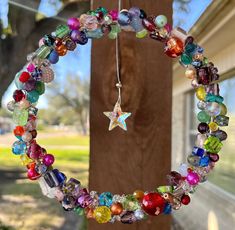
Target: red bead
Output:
[
  {"x": 185, "y": 199},
  {"x": 153, "y": 203},
  {"x": 33, "y": 174},
  {"x": 19, "y": 131},
  {"x": 24, "y": 77},
  {"x": 18, "y": 95},
  {"x": 174, "y": 47},
  {"x": 149, "y": 24}
]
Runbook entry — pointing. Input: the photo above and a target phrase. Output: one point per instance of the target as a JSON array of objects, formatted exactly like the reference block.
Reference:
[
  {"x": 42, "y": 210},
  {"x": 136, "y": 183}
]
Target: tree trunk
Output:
[{"x": 121, "y": 162}]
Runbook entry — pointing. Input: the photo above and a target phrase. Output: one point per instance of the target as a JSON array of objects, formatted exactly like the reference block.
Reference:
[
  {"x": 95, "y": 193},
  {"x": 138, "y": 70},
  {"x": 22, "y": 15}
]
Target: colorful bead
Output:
[
  {"x": 203, "y": 128},
  {"x": 213, "y": 109},
  {"x": 106, "y": 199},
  {"x": 73, "y": 23},
  {"x": 185, "y": 199},
  {"x": 102, "y": 214},
  {"x": 213, "y": 144},
  {"x": 160, "y": 21},
  {"x": 193, "y": 178},
  {"x": 20, "y": 116},
  {"x": 213, "y": 126},
  {"x": 201, "y": 93},
  {"x": 116, "y": 208},
  {"x": 221, "y": 120},
  {"x": 61, "y": 31},
  {"x": 48, "y": 159},
  {"x": 19, "y": 147},
  {"x": 174, "y": 47},
  {"x": 202, "y": 116}
]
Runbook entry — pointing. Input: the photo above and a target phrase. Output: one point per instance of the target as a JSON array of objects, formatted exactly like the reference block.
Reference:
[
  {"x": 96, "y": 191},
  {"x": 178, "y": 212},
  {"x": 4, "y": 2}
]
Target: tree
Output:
[
  {"x": 73, "y": 99},
  {"x": 26, "y": 31}
]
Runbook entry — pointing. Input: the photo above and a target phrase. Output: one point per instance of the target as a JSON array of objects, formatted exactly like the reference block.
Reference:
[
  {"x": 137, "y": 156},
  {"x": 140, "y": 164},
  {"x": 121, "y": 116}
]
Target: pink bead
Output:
[
  {"x": 73, "y": 23},
  {"x": 48, "y": 159},
  {"x": 114, "y": 14},
  {"x": 41, "y": 42},
  {"x": 31, "y": 67},
  {"x": 193, "y": 178}
]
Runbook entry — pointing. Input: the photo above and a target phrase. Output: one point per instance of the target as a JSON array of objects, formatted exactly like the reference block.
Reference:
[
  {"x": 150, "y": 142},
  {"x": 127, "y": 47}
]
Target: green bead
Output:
[
  {"x": 190, "y": 48},
  {"x": 186, "y": 59},
  {"x": 112, "y": 35},
  {"x": 79, "y": 211},
  {"x": 33, "y": 96},
  {"x": 213, "y": 144},
  {"x": 43, "y": 51},
  {"x": 214, "y": 98},
  {"x": 163, "y": 189},
  {"x": 202, "y": 116},
  {"x": 61, "y": 31},
  {"x": 141, "y": 34},
  {"x": 102, "y": 9},
  {"x": 20, "y": 116},
  {"x": 115, "y": 28},
  {"x": 40, "y": 87},
  {"x": 130, "y": 203},
  {"x": 160, "y": 21}
]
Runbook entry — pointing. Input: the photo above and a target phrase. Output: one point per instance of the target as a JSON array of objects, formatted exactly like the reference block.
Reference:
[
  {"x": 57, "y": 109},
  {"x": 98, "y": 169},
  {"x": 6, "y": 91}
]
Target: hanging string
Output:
[{"x": 119, "y": 84}]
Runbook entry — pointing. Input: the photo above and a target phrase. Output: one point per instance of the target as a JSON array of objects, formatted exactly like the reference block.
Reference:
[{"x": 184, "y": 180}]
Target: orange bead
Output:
[
  {"x": 138, "y": 194},
  {"x": 116, "y": 208},
  {"x": 61, "y": 50},
  {"x": 89, "y": 212},
  {"x": 19, "y": 130},
  {"x": 174, "y": 47}
]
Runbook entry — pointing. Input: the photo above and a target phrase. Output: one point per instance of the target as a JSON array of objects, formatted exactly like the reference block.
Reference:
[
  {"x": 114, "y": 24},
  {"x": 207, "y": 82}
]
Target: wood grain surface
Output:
[{"x": 121, "y": 162}]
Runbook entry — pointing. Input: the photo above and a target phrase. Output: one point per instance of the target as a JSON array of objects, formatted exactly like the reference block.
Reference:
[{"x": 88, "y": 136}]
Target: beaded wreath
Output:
[{"x": 106, "y": 207}]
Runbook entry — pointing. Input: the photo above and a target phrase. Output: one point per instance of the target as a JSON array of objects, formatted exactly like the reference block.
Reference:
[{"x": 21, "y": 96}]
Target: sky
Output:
[{"x": 78, "y": 62}]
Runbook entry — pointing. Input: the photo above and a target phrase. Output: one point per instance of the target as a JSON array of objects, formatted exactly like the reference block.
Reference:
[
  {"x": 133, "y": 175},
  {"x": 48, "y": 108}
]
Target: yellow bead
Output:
[
  {"x": 25, "y": 159},
  {"x": 141, "y": 34},
  {"x": 102, "y": 214},
  {"x": 138, "y": 194},
  {"x": 213, "y": 126},
  {"x": 223, "y": 109},
  {"x": 201, "y": 93}
]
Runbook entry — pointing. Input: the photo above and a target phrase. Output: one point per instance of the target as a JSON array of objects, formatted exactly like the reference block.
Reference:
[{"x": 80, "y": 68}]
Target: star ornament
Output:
[{"x": 117, "y": 117}]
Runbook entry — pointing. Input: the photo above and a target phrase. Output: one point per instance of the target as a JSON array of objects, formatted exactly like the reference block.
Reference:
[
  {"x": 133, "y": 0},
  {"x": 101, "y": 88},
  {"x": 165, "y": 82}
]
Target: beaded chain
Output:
[{"x": 106, "y": 207}]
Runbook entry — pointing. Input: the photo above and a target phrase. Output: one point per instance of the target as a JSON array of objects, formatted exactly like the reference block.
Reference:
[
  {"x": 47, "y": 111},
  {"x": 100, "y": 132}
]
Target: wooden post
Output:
[{"x": 121, "y": 162}]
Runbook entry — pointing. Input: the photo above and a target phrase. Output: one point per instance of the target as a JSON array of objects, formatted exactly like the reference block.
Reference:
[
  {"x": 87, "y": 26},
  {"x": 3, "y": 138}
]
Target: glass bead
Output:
[
  {"x": 19, "y": 147},
  {"x": 222, "y": 135},
  {"x": 134, "y": 11},
  {"x": 141, "y": 34},
  {"x": 204, "y": 161},
  {"x": 149, "y": 24},
  {"x": 213, "y": 144},
  {"x": 40, "y": 87},
  {"x": 130, "y": 203},
  {"x": 174, "y": 47},
  {"x": 193, "y": 160},
  {"x": 19, "y": 85},
  {"x": 25, "y": 160},
  {"x": 33, "y": 96},
  {"x": 139, "y": 214},
  {"x": 138, "y": 194},
  {"x": 185, "y": 199},
  {"x": 47, "y": 74},
  {"x": 102, "y": 9},
  {"x": 212, "y": 109},
  {"x": 48, "y": 40},
  {"x": 43, "y": 51},
  {"x": 102, "y": 214},
  {"x": 185, "y": 59},
  {"x": 114, "y": 14},
  {"x": 48, "y": 159},
  {"x": 41, "y": 168},
  {"x": 136, "y": 24},
  {"x": 19, "y": 131},
  {"x": 108, "y": 19},
  {"x": 128, "y": 217},
  {"x": 201, "y": 105},
  {"x": 106, "y": 199},
  {"x": 84, "y": 200},
  {"x": 174, "y": 178},
  {"x": 200, "y": 139},
  {"x": 214, "y": 157},
  {"x": 190, "y": 48},
  {"x": 165, "y": 188},
  {"x": 32, "y": 174},
  {"x": 79, "y": 211},
  {"x": 213, "y": 126},
  {"x": 73, "y": 23},
  {"x": 213, "y": 89},
  {"x": 198, "y": 151},
  {"x": 53, "y": 57},
  {"x": 88, "y": 22},
  {"x": 201, "y": 93},
  {"x": 18, "y": 95},
  {"x": 193, "y": 178},
  {"x": 202, "y": 116},
  {"x": 98, "y": 33},
  {"x": 36, "y": 74},
  {"x": 27, "y": 137},
  {"x": 142, "y": 14},
  {"x": 167, "y": 209},
  {"x": 24, "y": 76},
  {"x": 153, "y": 203},
  {"x": 160, "y": 21},
  {"x": 124, "y": 18},
  {"x": 203, "y": 128},
  {"x": 223, "y": 109},
  {"x": 62, "y": 30},
  {"x": 20, "y": 116},
  {"x": 116, "y": 208},
  {"x": 222, "y": 120},
  {"x": 190, "y": 72},
  {"x": 183, "y": 170},
  {"x": 61, "y": 50},
  {"x": 30, "y": 85},
  {"x": 203, "y": 76},
  {"x": 214, "y": 98}
]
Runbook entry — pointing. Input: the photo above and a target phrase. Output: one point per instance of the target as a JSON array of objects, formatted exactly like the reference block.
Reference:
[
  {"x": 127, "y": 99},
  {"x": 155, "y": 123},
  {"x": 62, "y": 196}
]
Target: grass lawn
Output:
[{"x": 22, "y": 206}]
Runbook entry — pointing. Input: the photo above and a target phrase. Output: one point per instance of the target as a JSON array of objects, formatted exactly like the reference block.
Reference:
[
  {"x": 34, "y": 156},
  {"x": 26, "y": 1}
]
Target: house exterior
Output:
[{"x": 213, "y": 204}]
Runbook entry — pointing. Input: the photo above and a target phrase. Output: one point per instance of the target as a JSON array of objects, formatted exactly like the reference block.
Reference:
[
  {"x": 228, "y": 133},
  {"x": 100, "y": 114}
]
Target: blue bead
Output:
[
  {"x": 106, "y": 199},
  {"x": 198, "y": 151},
  {"x": 33, "y": 96},
  {"x": 19, "y": 147},
  {"x": 204, "y": 161},
  {"x": 53, "y": 57},
  {"x": 59, "y": 176},
  {"x": 167, "y": 209}
]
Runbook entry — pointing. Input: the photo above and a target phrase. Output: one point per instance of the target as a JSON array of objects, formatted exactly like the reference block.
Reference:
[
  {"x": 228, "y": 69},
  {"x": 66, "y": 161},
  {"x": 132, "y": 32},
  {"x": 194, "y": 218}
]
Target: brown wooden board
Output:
[{"x": 121, "y": 162}]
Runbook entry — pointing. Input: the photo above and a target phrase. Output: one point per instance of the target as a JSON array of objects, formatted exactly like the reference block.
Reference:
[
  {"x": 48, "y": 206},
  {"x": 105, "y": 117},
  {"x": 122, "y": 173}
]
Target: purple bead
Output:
[
  {"x": 73, "y": 23},
  {"x": 79, "y": 37},
  {"x": 193, "y": 178},
  {"x": 53, "y": 57},
  {"x": 30, "y": 85},
  {"x": 134, "y": 11},
  {"x": 48, "y": 159}
]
